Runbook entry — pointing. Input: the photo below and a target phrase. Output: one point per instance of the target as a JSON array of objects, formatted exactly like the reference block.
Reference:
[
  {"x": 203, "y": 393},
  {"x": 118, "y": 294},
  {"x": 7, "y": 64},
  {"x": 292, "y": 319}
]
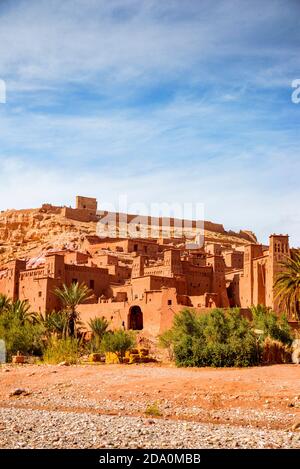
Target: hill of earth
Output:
[{"x": 28, "y": 232}]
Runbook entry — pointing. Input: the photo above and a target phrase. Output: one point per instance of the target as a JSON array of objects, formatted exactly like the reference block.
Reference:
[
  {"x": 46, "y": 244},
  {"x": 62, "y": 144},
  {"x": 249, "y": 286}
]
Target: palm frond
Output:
[{"x": 287, "y": 283}]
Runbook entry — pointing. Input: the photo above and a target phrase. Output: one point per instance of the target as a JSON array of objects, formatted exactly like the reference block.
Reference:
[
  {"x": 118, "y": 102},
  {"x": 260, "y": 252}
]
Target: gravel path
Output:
[
  {"x": 106, "y": 406},
  {"x": 49, "y": 400},
  {"x": 22, "y": 428}
]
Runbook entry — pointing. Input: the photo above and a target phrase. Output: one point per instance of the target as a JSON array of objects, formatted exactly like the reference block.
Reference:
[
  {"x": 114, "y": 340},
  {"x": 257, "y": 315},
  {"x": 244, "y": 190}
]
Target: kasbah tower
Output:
[{"x": 142, "y": 275}]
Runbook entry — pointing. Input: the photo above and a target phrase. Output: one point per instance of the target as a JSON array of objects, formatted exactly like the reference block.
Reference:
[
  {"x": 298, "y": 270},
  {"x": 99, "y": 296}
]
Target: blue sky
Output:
[{"x": 176, "y": 101}]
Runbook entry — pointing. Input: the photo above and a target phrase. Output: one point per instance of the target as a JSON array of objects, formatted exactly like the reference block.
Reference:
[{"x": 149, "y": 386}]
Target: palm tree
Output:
[
  {"x": 21, "y": 310},
  {"x": 99, "y": 327},
  {"x": 70, "y": 298},
  {"x": 5, "y": 303},
  {"x": 287, "y": 284},
  {"x": 54, "y": 322}
]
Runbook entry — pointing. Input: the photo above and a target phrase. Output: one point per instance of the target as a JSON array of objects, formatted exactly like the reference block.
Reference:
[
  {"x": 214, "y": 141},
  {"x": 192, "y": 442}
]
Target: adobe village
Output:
[
  {"x": 126, "y": 331},
  {"x": 139, "y": 282}
]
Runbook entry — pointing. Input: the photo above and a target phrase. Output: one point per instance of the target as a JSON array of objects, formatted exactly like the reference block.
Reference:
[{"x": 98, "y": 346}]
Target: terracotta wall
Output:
[
  {"x": 96, "y": 279},
  {"x": 39, "y": 293},
  {"x": 157, "y": 313},
  {"x": 78, "y": 214}
]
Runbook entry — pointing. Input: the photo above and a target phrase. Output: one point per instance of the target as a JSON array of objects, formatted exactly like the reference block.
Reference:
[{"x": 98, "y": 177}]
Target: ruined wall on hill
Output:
[{"x": 216, "y": 227}]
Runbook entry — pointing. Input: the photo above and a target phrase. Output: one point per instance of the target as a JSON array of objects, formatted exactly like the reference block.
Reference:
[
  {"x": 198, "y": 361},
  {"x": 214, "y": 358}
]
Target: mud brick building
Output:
[{"x": 141, "y": 282}]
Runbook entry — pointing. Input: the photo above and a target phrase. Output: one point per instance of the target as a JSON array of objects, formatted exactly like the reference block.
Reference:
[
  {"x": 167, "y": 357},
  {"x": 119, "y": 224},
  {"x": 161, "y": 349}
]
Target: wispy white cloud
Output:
[
  {"x": 238, "y": 200},
  {"x": 124, "y": 41},
  {"x": 184, "y": 101}
]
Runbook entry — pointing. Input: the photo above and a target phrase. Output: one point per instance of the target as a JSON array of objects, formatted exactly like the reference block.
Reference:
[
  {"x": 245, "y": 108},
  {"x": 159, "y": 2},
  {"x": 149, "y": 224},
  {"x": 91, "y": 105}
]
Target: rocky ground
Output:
[{"x": 149, "y": 406}]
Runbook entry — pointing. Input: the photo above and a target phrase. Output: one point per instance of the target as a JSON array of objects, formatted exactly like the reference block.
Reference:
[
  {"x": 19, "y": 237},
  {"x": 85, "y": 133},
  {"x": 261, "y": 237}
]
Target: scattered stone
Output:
[
  {"x": 150, "y": 422},
  {"x": 64, "y": 364},
  {"x": 18, "y": 392},
  {"x": 28, "y": 428},
  {"x": 82, "y": 413}
]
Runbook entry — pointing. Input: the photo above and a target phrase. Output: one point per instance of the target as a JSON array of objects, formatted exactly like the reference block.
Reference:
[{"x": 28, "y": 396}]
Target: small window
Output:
[
  {"x": 40, "y": 294},
  {"x": 169, "y": 302},
  {"x": 135, "y": 247}
]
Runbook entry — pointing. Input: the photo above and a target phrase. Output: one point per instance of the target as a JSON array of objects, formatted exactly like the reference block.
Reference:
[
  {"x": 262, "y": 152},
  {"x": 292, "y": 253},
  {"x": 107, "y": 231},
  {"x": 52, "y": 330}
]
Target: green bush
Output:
[
  {"x": 62, "y": 350},
  {"x": 165, "y": 340},
  {"x": 214, "y": 339},
  {"x": 118, "y": 342},
  {"x": 20, "y": 336},
  {"x": 271, "y": 326}
]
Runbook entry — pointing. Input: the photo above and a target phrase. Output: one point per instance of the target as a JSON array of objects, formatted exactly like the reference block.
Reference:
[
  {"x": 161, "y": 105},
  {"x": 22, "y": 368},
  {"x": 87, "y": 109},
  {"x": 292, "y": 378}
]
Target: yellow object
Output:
[
  {"x": 111, "y": 358},
  {"x": 140, "y": 355}
]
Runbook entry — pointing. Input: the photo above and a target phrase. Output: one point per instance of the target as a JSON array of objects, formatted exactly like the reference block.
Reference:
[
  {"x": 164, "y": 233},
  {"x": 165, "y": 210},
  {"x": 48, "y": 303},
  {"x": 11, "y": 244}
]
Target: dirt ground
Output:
[{"x": 263, "y": 397}]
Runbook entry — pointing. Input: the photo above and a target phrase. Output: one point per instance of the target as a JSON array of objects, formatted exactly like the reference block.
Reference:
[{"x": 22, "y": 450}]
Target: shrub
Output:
[
  {"x": 152, "y": 410},
  {"x": 60, "y": 350},
  {"x": 165, "y": 341},
  {"x": 118, "y": 342},
  {"x": 226, "y": 338},
  {"x": 272, "y": 326},
  {"x": 213, "y": 339},
  {"x": 24, "y": 337}
]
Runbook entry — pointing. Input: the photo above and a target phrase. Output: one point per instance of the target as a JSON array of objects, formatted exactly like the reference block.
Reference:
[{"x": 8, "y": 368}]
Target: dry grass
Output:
[
  {"x": 152, "y": 410},
  {"x": 275, "y": 352}
]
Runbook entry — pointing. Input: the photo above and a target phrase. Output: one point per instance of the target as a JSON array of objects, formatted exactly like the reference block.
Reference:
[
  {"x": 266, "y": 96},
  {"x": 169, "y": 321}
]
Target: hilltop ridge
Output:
[{"x": 27, "y": 232}]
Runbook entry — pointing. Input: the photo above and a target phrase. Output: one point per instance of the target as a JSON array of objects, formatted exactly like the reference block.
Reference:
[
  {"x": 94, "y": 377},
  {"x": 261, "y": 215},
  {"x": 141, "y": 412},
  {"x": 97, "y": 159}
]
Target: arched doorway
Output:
[{"x": 135, "y": 318}]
